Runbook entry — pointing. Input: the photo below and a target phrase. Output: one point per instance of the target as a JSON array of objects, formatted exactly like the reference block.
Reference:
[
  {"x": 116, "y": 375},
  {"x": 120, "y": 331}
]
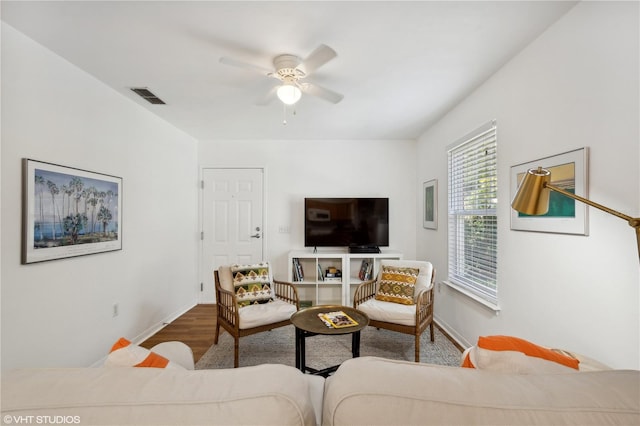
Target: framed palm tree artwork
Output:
[{"x": 68, "y": 212}]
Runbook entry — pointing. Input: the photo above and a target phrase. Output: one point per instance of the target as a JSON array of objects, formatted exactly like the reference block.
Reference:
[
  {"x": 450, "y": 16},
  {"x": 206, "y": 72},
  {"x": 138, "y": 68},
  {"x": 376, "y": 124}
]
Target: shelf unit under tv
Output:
[{"x": 319, "y": 290}]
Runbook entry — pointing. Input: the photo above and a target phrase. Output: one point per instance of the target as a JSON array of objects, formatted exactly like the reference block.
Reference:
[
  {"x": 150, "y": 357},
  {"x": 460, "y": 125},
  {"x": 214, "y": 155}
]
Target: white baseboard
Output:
[
  {"x": 452, "y": 332},
  {"x": 152, "y": 330},
  {"x": 161, "y": 324}
]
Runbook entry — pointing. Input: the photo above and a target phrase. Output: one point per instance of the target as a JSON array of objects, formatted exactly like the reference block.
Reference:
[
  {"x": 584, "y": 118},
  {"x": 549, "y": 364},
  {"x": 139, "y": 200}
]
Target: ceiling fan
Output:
[{"x": 291, "y": 71}]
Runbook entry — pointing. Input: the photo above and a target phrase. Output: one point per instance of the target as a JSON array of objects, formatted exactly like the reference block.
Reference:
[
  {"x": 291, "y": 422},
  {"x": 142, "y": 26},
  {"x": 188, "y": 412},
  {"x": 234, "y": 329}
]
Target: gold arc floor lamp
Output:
[{"x": 532, "y": 198}]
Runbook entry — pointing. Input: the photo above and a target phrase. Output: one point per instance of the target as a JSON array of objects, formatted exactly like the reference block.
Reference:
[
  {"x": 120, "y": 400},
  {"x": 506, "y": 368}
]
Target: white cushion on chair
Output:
[
  {"x": 395, "y": 313},
  {"x": 225, "y": 277},
  {"x": 265, "y": 313}
]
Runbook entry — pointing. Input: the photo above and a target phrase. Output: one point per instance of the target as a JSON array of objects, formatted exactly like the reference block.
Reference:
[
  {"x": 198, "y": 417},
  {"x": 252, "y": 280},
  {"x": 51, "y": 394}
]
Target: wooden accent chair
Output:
[
  {"x": 407, "y": 319},
  {"x": 256, "y": 318}
]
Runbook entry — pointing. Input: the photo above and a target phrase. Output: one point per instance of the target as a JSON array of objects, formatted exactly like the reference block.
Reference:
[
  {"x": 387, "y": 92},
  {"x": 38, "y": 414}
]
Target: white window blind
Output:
[{"x": 473, "y": 221}]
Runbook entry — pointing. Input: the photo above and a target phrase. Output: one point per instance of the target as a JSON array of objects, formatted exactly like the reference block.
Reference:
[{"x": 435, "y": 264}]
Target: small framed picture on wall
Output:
[{"x": 430, "y": 204}]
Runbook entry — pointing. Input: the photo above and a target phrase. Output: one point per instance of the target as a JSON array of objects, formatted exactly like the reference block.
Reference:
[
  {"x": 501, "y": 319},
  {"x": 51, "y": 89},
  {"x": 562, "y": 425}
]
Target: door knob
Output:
[{"x": 255, "y": 236}]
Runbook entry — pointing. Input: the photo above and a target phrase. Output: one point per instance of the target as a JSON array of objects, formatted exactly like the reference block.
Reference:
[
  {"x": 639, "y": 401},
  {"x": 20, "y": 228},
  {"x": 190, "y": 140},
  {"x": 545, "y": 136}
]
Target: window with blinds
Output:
[{"x": 473, "y": 221}]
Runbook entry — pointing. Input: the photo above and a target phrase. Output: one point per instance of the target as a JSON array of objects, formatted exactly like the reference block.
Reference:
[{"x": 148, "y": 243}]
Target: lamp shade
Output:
[
  {"x": 289, "y": 93},
  {"x": 532, "y": 196}
]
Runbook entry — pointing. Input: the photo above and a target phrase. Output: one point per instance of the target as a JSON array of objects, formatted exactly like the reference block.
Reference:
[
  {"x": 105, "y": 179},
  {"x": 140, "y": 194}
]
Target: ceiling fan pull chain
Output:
[{"x": 284, "y": 113}]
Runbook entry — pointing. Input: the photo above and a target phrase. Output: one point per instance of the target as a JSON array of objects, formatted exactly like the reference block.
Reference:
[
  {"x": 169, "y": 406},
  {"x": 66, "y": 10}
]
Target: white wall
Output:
[
  {"x": 576, "y": 85},
  {"x": 312, "y": 168},
  {"x": 59, "y": 313}
]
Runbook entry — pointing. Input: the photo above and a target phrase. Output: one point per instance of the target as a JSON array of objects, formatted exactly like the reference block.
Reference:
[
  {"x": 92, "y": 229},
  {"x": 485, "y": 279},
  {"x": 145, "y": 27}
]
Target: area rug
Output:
[{"x": 278, "y": 347}]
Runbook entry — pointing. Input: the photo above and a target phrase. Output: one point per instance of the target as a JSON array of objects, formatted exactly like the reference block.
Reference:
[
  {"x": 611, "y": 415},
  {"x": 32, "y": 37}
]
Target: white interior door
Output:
[{"x": 232, "y": 222}]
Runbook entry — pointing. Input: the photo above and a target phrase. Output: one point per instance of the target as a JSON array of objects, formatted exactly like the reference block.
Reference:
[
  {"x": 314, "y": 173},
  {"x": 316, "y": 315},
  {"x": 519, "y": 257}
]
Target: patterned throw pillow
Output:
[
  {"x": 252, "y": 284},
  {"x": 397, "y": 284}
]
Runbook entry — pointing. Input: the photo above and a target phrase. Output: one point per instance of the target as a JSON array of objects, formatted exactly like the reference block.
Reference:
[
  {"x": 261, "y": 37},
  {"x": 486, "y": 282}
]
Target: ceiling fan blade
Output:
[
  {"x": 317, "y": 58},
  {"x": 321, "y": 92},
  {"x": 240, "y": 64},
  {"x": 268, "y": 97}
]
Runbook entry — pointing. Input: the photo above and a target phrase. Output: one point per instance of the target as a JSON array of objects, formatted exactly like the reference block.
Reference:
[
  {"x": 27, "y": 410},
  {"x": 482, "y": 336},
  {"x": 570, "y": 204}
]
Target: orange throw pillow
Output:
[
  {"x": 466, "y": 362},
  {"x": 124, "y": 354},
  {"x": 509, "y": 343}
]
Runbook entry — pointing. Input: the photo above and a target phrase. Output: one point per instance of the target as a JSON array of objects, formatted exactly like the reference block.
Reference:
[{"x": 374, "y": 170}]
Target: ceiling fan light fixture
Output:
[{"x": 289, "y": 93}]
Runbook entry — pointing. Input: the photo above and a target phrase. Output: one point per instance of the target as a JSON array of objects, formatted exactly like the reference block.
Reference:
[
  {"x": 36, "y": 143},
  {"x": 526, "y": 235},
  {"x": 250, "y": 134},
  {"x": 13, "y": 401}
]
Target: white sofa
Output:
[
  {"x": 363, "y": 391},
  {"x": 376, "y": 391},
  {"x": 264, "y": 394}
]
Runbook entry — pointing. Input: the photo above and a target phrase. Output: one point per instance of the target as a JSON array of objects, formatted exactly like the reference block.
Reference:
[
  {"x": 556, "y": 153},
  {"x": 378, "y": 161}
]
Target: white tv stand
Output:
[{"x": 320, "y": 290}]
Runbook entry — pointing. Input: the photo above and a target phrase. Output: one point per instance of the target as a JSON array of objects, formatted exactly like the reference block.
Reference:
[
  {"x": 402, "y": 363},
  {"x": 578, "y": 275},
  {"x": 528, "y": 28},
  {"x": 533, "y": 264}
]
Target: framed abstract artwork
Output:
[
  {"x": 430, "y": 204},
  {"x": 569, "y": 171},
  {"x": 68, "y": 212}
]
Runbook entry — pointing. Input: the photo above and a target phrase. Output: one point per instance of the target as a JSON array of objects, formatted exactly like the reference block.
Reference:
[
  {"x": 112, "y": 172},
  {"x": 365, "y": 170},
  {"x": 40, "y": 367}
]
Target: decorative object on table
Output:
[
  {"x": 337, "y": 319},
  {"x": 68, "y": 212},
  {"x": 569, "y": 172},
  {"x": 430, "y": 204},
  {"x": 534, "y": 193}
]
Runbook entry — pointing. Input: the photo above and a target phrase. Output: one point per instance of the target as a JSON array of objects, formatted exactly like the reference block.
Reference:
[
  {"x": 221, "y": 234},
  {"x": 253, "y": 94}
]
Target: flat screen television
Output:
[{"x": 362, "y": 224}]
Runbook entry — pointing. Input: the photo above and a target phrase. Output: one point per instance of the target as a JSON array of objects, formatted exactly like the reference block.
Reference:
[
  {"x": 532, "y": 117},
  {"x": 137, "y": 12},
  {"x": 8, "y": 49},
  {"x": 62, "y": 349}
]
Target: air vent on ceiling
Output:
[{"x": 148, "y": 95}]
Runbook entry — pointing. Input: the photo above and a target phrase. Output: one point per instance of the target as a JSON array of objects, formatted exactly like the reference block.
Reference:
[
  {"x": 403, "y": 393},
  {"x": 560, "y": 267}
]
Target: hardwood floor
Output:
[{"x": 195, "y": 328}]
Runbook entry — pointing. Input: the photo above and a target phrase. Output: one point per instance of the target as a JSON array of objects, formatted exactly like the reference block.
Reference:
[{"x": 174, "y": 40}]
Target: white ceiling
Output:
[{"x": 400, "y": 65}]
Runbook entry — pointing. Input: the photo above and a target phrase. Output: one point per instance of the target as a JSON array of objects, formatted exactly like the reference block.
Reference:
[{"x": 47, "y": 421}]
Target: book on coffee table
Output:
[{"x": 337, "y": 319}]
